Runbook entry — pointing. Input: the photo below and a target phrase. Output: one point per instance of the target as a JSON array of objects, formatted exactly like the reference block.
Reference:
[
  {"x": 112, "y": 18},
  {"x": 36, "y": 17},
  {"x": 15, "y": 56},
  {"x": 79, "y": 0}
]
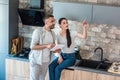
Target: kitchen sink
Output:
[
  {"x": 104, "y": 66},
  {"x": 88, "y": 63},
  {"x": 99, "y": 65},
  {"x": 93, "y": 64}
]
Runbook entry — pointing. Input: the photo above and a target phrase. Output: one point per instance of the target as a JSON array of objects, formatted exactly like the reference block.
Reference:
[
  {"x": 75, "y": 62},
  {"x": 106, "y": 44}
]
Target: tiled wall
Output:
[{"x": 106, "y": 36}]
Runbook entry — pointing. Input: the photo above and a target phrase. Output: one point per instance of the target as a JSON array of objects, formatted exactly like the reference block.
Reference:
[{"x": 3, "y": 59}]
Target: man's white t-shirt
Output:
[{"x": 47, "y": 40}]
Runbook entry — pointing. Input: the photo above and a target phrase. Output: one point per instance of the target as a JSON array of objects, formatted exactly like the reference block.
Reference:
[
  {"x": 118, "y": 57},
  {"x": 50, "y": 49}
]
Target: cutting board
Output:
[
  {"x": 115, "y": 68},
  {"x": 17, "y": 44}
]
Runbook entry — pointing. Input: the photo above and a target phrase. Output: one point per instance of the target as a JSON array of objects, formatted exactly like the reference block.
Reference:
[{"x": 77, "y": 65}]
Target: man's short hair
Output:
[{"x": 48, "y": 16}]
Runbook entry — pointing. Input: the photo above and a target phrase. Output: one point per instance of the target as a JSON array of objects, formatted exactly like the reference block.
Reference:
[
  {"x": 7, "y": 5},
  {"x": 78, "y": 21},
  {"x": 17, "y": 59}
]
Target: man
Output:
[{"x": 41, "y": 43}]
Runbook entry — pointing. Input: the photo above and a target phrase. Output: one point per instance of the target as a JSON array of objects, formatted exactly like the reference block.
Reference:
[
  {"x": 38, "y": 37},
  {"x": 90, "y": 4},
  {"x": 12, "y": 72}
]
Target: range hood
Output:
[{"x": 31, "y": 17}]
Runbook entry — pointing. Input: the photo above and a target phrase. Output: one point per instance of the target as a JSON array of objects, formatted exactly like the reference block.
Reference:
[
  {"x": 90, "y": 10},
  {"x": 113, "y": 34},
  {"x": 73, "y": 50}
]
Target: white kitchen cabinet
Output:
[{"x": 17, "y": 70}]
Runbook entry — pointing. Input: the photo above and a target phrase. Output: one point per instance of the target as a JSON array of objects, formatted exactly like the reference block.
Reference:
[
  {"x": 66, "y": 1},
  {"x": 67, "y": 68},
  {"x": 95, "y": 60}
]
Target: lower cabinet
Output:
[
  {"x": 13, "y": 77},
  {"x": 84, "y": 75},
  {"x": 67, "y": 75},
  {"x": 17, "y": 70},
  {"x": 105, "y": 77},
  {"x": 117, "y": 78}
]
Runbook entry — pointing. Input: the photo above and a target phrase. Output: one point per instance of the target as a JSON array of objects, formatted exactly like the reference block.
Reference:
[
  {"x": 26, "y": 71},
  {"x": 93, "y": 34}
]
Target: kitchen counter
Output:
[
  {"x": 70, "y": 68},
  {"x": 17, "y": 58},
  {"x": 96, "y": 71},
  {"x": 92, "y": 70}
]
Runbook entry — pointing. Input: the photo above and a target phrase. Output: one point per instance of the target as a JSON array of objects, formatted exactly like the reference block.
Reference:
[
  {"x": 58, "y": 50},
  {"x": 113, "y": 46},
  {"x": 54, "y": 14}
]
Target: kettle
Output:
[{"x": 77, "y": 53}]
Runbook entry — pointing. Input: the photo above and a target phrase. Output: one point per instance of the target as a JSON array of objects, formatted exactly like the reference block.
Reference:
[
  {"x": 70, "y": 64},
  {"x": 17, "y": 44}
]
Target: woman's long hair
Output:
[{"x": 68, "y": 37}]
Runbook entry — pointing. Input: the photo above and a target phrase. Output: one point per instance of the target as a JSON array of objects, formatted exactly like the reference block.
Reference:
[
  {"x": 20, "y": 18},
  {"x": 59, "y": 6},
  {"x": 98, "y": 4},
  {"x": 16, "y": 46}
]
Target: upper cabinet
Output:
[
  {"x": 72, "y": 11},
  {"x": 106, "y": 15},
  {"x": 4, "y": 1},
  {"x": 100, "y": 14}
]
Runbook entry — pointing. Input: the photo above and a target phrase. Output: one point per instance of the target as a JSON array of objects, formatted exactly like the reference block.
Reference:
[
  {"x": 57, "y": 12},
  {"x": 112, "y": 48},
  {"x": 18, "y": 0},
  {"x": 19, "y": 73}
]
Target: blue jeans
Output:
[{"x": 55, "y": 69}]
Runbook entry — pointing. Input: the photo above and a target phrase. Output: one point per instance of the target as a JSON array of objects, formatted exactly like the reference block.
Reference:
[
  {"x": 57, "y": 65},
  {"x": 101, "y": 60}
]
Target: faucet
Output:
[{"x": 99, "y": 48}]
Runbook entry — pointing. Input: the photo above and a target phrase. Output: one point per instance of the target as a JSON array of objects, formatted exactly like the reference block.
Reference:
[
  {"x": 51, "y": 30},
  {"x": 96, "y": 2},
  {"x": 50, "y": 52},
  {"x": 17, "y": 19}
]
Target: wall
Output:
[
  {"x": 104, "y": 35},
  {"x": 3, "y": 36},
  {"x": 8, "y": 30}
]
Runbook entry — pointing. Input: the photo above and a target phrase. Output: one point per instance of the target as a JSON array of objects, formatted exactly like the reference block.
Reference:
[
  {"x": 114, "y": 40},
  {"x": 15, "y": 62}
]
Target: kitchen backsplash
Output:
[{"x": 103, "y": 35}]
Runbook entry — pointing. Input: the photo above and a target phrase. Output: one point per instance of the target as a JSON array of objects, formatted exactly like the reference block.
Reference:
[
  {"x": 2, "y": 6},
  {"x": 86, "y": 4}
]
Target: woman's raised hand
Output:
[{"x": 84, "y": 23}]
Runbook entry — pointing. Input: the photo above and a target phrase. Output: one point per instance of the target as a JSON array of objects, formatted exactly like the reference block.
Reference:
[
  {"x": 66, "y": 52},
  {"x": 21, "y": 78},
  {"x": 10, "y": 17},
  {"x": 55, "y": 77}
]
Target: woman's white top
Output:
[{"x": 63, "y": 40}]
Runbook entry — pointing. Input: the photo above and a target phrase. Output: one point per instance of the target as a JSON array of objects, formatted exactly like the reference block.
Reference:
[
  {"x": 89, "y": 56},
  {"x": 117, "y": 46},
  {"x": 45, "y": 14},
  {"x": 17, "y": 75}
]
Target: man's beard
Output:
[{"x": 52, "y": 27}]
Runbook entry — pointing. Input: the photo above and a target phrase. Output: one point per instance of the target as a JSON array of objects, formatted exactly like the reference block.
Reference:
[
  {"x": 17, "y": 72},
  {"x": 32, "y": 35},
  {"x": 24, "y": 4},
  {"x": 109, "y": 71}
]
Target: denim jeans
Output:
[{"x": 55, "y": 69}]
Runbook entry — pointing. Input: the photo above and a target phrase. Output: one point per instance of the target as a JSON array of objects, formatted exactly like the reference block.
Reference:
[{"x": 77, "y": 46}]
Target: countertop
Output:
[
  {"x": 17, "y": 58},
  {"x": 70, "y": 68}
]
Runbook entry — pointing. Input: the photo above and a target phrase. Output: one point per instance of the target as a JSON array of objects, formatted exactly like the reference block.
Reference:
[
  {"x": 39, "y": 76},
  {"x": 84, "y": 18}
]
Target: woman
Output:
[{"x": 67, "y": 56}]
